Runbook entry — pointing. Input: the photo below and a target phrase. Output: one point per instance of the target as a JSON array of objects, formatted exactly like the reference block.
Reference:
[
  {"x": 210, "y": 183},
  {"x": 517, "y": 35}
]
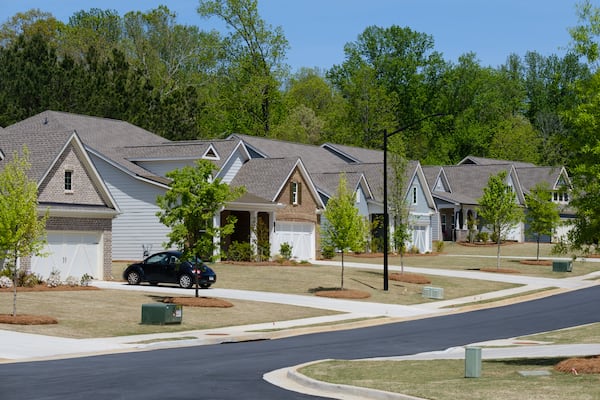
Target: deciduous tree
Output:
[
  {"x": 499, "y": 209},
  {"x": 189, "y": 206},
  {"x": 344, "y": 228},
  {"x": 542, "y": 214},
  {"x": 22, "y": 230}
]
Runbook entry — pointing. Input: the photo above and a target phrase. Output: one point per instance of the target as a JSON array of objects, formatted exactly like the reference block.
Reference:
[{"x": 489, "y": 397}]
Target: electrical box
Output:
[
  {"x": 161, "y": 314},
  {"x": 432, "y": 292},
  {"x": 562, "y": 266},
  {"x": 472, "y": 362}
]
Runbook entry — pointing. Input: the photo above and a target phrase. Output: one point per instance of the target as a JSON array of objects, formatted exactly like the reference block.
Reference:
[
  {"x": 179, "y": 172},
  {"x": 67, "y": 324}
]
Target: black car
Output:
[{"x": 169, "y": 267}]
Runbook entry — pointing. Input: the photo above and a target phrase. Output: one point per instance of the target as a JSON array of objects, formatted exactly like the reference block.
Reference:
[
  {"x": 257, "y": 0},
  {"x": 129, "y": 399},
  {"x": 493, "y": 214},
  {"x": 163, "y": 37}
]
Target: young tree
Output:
[
  {"x": 344, "y": 228},
  {"x": 399, "y": 207},
  {"x": 189, "y": 206},
  {"x": 542, "y": 214},
  {"x": 22, "y": 231},
  {"x": 498, "y": 208}
]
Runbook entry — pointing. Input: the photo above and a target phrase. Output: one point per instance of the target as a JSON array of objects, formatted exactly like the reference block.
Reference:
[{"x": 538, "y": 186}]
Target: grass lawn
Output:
[
  {"x": 105, "y": 313},
  {"x": 444, "y": 379},
  {"x": 460, "y": 257}
]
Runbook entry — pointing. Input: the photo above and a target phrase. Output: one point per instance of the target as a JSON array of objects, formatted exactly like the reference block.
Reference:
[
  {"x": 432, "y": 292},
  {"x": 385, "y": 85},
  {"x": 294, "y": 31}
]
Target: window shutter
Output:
[
  {"x": 299, "y": 193},
  {"x": 292, "y": 192}
]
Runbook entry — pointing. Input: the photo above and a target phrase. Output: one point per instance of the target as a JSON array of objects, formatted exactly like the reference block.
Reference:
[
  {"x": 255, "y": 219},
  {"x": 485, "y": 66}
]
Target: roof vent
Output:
[{"x": 45, "y": 120}]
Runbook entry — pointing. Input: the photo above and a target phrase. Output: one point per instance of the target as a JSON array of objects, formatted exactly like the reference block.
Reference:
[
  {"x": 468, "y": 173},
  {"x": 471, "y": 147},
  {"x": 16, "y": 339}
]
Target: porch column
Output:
[
  {"x": 217, "y": 238},
  {"x": 253, "y": 222}
]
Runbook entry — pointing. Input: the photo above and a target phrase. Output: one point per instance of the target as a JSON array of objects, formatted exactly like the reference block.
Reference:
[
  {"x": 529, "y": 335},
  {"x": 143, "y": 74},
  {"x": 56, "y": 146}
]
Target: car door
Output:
[
  {"x": 171, "y": 269},
  {"x": 154, "y": 266}
]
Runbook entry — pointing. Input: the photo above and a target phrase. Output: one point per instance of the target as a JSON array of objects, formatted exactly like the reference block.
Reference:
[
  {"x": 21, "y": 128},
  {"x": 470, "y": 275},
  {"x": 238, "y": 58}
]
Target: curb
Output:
[{"x": 284, "y": 376}]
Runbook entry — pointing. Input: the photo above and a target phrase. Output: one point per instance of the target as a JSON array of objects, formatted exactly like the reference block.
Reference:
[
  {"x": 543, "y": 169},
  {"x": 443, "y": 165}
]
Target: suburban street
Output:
[{"x": 235, "y": 370}]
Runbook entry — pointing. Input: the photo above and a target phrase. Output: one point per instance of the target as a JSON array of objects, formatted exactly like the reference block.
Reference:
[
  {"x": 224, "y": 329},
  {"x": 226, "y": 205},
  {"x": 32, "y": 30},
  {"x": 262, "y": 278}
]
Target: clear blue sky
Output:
[{"x": 317, "y": 30}]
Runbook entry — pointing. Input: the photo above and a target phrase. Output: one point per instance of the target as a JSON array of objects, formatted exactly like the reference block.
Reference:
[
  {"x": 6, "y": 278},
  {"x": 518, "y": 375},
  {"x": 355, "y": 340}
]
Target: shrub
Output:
[
  {"x": 285, "y": 250},
  {"x": 483, "y": 236},
  {"x": 328, "y": 252},
  {"x": 240, "y": 251},
  {"x": 86, "y": 279},
  {"x": 72, "y": 281},
  {"x": 27, "y": 279},
  {"x": 5, "y": 282},
  {"x": 54, "y": 278},
  {"x": 439, "y": 246}
]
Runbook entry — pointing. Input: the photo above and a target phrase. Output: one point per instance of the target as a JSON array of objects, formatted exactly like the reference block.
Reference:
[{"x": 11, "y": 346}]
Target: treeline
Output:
[{"x": 183, "y": 82}]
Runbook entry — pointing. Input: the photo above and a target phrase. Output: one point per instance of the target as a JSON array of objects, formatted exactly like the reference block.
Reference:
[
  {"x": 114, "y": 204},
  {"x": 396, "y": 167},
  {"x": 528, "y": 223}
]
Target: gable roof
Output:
[
  {"x": 354, "y": 154},
  {"x": 531, "y": 176},
  {"x": 265, "y": 178},
  {"x": 467, "y": 182},
  {"x": 104, "y": 137},
  {"x": 43, "y": 158},
  {"x": 492, "y": 161}
]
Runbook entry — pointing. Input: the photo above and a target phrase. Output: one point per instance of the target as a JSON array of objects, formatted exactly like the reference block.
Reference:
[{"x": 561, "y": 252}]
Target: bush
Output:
[
  {"x": 285, "y": 250},
  {"x": 27, "y": 279},
  {"x": 483, "y": 237},
  {"x": 86, "y": 279},
  {"x": 439, "y": 246},
  {"x": 54, "y": 278},
  {"x": 238, "y": 251},
  {"x": 72, "y": 281},
  {"x": 5, "y": 282},
  {"x": 327, "y": 252}
]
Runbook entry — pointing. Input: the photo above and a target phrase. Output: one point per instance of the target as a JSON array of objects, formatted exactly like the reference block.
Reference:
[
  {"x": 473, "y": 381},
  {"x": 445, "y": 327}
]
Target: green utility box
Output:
[
  {"x": 432, "y": 292},
  {"x": 562, "y": 266},
  {"x": 472, "y": 362},
  {"x": 161, "y": 314}
]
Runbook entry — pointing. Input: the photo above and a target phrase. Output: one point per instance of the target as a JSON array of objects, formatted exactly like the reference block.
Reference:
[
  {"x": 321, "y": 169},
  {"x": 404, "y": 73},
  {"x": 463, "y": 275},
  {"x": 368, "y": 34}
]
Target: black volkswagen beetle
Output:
[{"x": 169, "y": 267}]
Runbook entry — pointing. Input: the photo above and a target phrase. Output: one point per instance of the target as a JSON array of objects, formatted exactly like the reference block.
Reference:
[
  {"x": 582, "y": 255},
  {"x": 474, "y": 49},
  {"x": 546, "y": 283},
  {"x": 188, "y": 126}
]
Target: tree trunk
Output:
[
  {"x": 14, "y": 313},
  {"x": 342, "y": 285},
  {"x": 538, "y": 248},
  {"x": 498, "y": 253}
]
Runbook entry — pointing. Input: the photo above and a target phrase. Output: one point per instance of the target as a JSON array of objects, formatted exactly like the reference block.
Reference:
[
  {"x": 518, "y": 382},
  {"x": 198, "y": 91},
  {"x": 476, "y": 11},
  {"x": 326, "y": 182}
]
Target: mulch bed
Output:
[
  {"x": 46, "y": 288},
  {"x": 25, "y": 319},
  {"x": 198, "y": 302},
  {"x": 536, "y": 262},
  {"x": 579, "y": 365},
  {"x": 486, "y": 244},
  {"x": 500, "y": 270},
  {"x": 343, "y": 294},
  {"x": 409, "y": 278}
]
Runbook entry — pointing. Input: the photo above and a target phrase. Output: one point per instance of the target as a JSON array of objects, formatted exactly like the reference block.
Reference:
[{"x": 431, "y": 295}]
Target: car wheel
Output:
[
  {"x": 205, "y": 285},
  {"x": 134, "y": 278},
  {"x": 185, "y": 281}
]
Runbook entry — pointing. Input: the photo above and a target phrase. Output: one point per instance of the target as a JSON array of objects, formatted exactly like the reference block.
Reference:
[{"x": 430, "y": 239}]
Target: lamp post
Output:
[{"x": 386, "y": 221}]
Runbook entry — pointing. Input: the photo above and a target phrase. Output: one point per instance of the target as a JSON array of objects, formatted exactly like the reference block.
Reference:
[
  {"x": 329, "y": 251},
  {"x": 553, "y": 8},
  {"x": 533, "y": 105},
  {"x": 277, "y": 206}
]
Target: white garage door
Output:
[
  {"x": 300, "y": 235},
  {"x": 72, "y": 253}
]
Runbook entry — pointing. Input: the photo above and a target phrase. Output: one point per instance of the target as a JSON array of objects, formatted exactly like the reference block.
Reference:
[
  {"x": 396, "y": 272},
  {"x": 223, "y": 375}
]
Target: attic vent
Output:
[
  {"x": 211, "y": 154},
  {"x": 46, "y": 121}
]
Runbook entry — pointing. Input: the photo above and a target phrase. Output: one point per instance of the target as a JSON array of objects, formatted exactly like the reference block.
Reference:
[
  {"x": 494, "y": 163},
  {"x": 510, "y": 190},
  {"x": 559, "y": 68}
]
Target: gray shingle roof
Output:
[
  {"x": 264, "y": 177},
  {"x": 41, "y": 157},
  {"x": 493, "y": 161},
  {"x": 357, "y": 153},
  {"x": 108, "y": 137},
  {"x": 530, "y": 176}
]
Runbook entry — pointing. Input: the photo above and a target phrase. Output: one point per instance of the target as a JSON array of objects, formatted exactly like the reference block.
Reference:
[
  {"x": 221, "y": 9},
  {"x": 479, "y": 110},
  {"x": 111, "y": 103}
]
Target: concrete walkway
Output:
[{"x": 16, "y": 346}]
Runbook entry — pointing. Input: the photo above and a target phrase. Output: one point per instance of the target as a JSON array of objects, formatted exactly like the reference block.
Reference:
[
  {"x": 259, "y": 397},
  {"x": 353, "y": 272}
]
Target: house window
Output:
[
  {"x": 68, "y": 181},
  {"x": 560, "y": 197},
  {"x": 295, "y": 193},
  {"x": 414, "y": 195}
]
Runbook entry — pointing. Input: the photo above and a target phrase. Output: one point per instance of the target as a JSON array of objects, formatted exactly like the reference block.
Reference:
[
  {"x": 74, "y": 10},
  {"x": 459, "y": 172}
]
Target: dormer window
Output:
[
  {"x": 295, "y": 193},
  {"x": 560, "y": 197},
  {"x": 69, "y": 181}
]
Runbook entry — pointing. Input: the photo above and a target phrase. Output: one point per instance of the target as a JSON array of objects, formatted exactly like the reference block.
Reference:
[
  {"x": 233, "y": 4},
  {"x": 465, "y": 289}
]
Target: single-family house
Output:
[
  {"x": 458, "y": 188},
  {"x": 71, "y": 191}
]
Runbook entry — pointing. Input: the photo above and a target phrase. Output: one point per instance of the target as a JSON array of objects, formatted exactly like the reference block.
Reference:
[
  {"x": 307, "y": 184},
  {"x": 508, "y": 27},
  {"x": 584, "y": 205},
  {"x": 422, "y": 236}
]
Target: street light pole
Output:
[{"x": 386, "y": 221}]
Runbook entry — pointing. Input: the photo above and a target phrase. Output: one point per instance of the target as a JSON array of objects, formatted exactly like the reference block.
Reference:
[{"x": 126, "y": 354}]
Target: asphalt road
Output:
[{"x": 234, "y": 371}]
